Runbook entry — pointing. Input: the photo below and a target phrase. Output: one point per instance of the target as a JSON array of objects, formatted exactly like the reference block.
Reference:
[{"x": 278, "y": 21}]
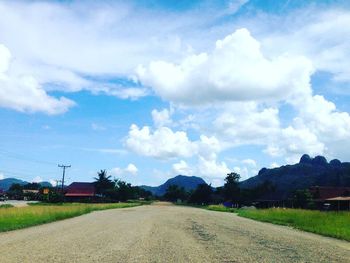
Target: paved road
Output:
[{"x": 164, "y": 233}]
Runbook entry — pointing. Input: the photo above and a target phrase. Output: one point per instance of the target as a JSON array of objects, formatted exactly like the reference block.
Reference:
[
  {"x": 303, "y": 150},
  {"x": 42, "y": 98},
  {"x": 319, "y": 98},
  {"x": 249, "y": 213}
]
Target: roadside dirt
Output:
[{"x": 166, "y": 233}]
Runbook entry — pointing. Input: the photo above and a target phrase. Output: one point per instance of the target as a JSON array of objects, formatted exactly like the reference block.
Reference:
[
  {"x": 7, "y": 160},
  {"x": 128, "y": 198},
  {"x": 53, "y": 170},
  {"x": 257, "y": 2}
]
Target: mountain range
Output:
[
  {"x": 308, "y": 172},
  {"x": 187, "y": 182},
  {"x": 6, "y": 183},
  {"x": 284, "y": 180}
]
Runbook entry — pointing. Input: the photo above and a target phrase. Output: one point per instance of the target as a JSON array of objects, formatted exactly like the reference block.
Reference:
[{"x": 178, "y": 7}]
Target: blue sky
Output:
[{"x": 151, "y": 89}]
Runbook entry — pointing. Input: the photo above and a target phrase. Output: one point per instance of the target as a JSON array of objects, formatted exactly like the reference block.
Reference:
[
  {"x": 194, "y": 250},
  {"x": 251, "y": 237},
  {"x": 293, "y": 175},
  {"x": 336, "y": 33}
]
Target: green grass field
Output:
[
  {"x": 332, "y": 224},
  {"x": 20, "y": 217},
  {"x": 221, "y": 208}
]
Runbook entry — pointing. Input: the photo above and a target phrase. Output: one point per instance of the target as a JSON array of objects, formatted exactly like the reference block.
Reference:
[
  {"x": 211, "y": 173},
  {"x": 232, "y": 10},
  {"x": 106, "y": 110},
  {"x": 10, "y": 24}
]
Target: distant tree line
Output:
[
  {"x": 117, "y": 190},
  {"x": 232, "y": 195}
]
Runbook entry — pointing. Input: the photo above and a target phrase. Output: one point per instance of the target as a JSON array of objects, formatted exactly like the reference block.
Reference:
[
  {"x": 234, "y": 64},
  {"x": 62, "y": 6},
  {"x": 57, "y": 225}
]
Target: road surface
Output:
[{"x": 167, "y": 233}]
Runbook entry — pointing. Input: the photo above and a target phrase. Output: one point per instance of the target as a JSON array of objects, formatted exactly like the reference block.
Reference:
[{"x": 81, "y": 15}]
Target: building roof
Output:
[
  {"x": 325, "y": 192},
  {"x": 80, "y": 189},
  {"x": 339, "y": 198}
]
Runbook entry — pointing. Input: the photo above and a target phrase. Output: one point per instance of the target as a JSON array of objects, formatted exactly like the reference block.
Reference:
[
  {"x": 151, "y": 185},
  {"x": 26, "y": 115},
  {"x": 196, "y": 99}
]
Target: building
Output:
[
  {"x": 80, "y": 191},
  {"x": 336, "y": 198}
]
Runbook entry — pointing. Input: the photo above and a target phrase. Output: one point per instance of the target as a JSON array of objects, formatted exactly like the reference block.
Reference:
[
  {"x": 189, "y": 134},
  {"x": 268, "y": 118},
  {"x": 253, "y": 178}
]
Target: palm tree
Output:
[{"x": 103, "y": 182}]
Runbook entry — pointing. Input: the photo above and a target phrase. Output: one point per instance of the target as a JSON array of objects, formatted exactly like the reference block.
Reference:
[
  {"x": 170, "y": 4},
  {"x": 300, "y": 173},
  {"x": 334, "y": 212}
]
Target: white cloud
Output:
[
  {"x": 97, "y": 127},
  {"x": 130, "y": 169},
  {"x": 131, "y": 93},
  {"x": 2, "y": 176},
  {"x": 249, "y": 162},
  {"x": 246, "y": 122},
  {"x": 316, "y": 33},
  {"x": 212, "y": 168},
  {"x": 292, "y": 143},
  {"x": 236, "y": 70},
  {"x": 161, "y": 118},
  {"x": 23, "y": 92},
  {"x": 37, "y": 179},
  {"x": 163, "y": 143},
  {"x": 274, "y": 165},
  {"x": 182, "y": 168},
  {"x": 53, "y": 182}
]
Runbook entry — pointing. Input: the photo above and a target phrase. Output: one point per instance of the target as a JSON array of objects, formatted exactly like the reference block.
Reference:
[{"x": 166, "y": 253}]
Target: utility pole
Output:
[
  {"x": 64, "y": 172},
  {"x": 57, "y": 183}
]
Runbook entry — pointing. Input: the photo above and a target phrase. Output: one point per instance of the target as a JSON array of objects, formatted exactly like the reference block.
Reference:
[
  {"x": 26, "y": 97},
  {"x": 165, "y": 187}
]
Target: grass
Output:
[
  {"x": 21, "y": 217},
  {"x": 6, "y": 206},
  {"x": 332, "y": 224},
  {"x": 221, "y": 208}
]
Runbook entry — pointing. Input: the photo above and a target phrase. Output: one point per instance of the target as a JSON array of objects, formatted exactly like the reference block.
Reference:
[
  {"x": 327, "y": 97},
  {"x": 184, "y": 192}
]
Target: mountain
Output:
[
  {"x": 187, "y": 182},
  {"x": 308, "y": 172},
  {"x": 6, "y": 183}
]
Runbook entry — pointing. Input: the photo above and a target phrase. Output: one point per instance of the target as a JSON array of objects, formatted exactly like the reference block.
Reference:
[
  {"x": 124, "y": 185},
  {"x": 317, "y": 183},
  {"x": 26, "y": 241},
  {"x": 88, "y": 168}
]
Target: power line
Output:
[
  {"x": 23, "y": 158},
  {"x": 24, "y": 173}
]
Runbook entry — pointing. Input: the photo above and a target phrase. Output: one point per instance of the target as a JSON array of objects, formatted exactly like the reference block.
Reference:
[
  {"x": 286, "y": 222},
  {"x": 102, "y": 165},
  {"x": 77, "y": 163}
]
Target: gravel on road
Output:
[{"x": 167, "y": 233}]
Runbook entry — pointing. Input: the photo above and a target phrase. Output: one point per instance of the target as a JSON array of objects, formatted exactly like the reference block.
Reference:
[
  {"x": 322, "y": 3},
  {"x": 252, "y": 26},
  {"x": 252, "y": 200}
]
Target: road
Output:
[{"x": 167, "y": 233}]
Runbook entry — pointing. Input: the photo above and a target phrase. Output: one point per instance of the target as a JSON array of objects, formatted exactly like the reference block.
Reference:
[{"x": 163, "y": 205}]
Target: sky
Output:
[{"x": 151, "y": 89}]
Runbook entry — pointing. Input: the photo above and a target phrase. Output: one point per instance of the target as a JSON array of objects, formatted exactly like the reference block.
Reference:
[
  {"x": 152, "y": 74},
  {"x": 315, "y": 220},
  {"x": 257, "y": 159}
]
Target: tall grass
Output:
[
  {"x": 333, "y": 224},
  {"x": 20, "y": 217}
]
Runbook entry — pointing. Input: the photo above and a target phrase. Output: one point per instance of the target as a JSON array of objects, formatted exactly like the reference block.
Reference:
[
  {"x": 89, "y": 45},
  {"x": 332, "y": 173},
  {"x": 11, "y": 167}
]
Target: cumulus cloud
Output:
[
  {"x": 212, "y": 168},
  {"x": 244, "y": 123},
  {"x": 23, "y": 92},
  {"x": 130, "y": 169},
  {"x": 315, "y": 33},
  {"x": 182, "y": 168},
  {"x": 2, "y": 176},
  {"x": 292, "y": 143},
  {"x": 236, "y": 70},
  {"x": 161, "y": 118},
  {"x": 163, "y": 143}
]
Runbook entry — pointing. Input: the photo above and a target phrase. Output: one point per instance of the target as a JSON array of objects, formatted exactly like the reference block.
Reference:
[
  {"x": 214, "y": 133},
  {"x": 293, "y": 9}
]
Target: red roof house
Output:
[
  {"x": 79, "y": 189},
  {"x": 322, "y": 193}
]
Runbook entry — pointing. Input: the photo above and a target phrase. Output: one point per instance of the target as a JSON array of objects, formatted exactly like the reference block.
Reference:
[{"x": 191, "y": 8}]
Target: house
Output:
[
  {"x": 80, "y": 191},
  {"x": 337, "y": 198}
]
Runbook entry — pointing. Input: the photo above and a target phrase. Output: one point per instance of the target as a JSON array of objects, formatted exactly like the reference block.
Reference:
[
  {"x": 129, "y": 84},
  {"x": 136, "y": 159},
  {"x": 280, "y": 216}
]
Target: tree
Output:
[
  {"x": 124, "y": 190},
  {"x": 15, "y": 191},
  {"x": 202, "y": 194},
  {"x": 103, "y": 182},
  {"x": 231, "y": 188},
  {"x": 174, "y": 192},
  {"x": 303, "y": 199}
]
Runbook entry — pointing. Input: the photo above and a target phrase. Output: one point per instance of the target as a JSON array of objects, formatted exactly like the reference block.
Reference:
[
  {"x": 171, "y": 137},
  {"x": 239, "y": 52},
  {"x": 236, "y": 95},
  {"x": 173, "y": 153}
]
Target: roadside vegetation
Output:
[
  {"x": 6, "y": 206},
  {"x": 332, "y": 224},
  {"x": 20, "y": 217},
  {"x": 221, "y": 208}
]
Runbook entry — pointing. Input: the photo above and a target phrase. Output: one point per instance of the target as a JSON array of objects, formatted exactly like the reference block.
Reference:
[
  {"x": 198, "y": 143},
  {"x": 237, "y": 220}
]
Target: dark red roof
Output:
[
  {"x": 325, "y": 192},
  {"x": 80, "y": 189}
]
